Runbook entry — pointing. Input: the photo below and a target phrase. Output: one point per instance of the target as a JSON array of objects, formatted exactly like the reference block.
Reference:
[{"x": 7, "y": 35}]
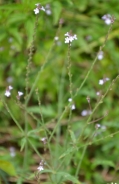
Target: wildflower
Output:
[
  {"x": 12, "y": 151},
  {"x": 97, "y": 126},
  {"x": 40, "y": 168},
  {"x": 108, "y": 19},
  {"x": 73, "y": 107},
  {"x": 100, "y": 55},
  {"x": 7, "y": 92},
  {"x": 70, "y": 37},
  {"x": 41, "y": 164},
  {"x": 19, "y": 95},
  {"x": 56, "y": 38},
  {"x": 102, "y": 81},
  {"x": 85, "y": 112},
  {"x": 70, "y": 99},
  {"x": 47, "y": 9},
  {"x": 98, "y": 93},
  {"x": 38, "y": 8},
  {"x": 44, "y": 140}
]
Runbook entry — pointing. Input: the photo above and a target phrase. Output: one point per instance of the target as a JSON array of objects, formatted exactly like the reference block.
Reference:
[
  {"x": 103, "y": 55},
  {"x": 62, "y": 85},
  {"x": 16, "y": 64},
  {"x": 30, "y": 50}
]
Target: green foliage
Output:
[
  {"x": 41, "y": 127},
  {"x": 7, "y": 167}
]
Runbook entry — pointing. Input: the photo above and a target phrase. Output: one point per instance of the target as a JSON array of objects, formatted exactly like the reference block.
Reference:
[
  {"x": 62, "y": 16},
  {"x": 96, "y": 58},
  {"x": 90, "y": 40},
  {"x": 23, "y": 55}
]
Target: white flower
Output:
[
  {"x": 20, "y": 93},
  {"x": 70, "y": 99},
  {"x": 12, "y": 151},
  {"x": 48, "y": 10},
  {"x": 107, "y": 79},
  {"x": 38, "y": 8},
  {"x": 100, "y": 55},
  {"x": 101, "y": 82},
  {"x": 10, "y": 87},
  {"x": 98, "y": 125},
  {"x": 36, "y": 11},
  {"x": 107, "y": 19},
  {"x": 98, "y": 93},
  {"x": 56, "y": 38},
  {"x": 7, "y": 93},
  {"x": 73, "y": 107},
  {"x": 85, "y": 112},
  {"x": 70, "y": 37},
  {"x": 40, "y": 168}
]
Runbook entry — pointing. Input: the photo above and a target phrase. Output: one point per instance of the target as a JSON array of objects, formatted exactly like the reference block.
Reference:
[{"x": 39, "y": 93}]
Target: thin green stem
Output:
[
  {"x": 82, "y": 84},
  {"x": 12, "y": 116}
]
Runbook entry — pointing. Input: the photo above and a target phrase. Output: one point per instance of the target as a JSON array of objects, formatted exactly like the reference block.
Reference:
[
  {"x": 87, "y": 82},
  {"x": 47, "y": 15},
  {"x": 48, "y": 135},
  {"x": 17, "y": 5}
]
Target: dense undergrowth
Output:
[{"x": 59, "y": 123}]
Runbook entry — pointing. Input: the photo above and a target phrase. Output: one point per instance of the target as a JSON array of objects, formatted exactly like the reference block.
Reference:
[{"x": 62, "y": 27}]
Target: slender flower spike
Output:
[
  {"x": 108, "y": 19},
  {"x": 70, "y": 37},
  {"x": 38, "y": 8}
]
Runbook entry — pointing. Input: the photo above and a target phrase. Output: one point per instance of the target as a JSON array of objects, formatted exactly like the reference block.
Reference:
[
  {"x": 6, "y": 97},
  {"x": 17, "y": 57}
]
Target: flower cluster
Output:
[
  {"x": 73, "y": 107},
  {"x": 41, "y": 164},
  {"x": 8, "y": 92},
  {"x": 102, "y": 81},
  {"x": 70, "y": 37},
  {"x": 102, "y": 127},
  {"x": 38, "y": 8},
  {"x": 108, "y": 19}
]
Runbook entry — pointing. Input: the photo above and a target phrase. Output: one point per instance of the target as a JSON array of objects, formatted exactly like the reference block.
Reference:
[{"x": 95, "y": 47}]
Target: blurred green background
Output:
[{"x": 101, "y": 161}]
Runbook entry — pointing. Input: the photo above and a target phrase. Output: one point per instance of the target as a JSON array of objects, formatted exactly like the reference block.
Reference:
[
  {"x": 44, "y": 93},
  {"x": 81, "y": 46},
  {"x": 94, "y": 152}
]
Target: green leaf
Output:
[
  {"x": 57, "y": 8},
  {"x": 68, "y": 177},
  {"x": 46, "y": 110},
  {"x": 69, "y": 150},
  {"x": 64, "y": 175},
  {"x": 23, "y": 142},
  {"x": 7, "y": 167},
  {"x": 103, "y": 162},
  {"x": 72, "y": 136}
]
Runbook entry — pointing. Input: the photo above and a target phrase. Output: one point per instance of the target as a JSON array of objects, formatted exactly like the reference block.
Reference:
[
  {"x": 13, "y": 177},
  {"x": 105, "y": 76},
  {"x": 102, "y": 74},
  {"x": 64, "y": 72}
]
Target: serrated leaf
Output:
[{"x": 7, "y": 167}]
